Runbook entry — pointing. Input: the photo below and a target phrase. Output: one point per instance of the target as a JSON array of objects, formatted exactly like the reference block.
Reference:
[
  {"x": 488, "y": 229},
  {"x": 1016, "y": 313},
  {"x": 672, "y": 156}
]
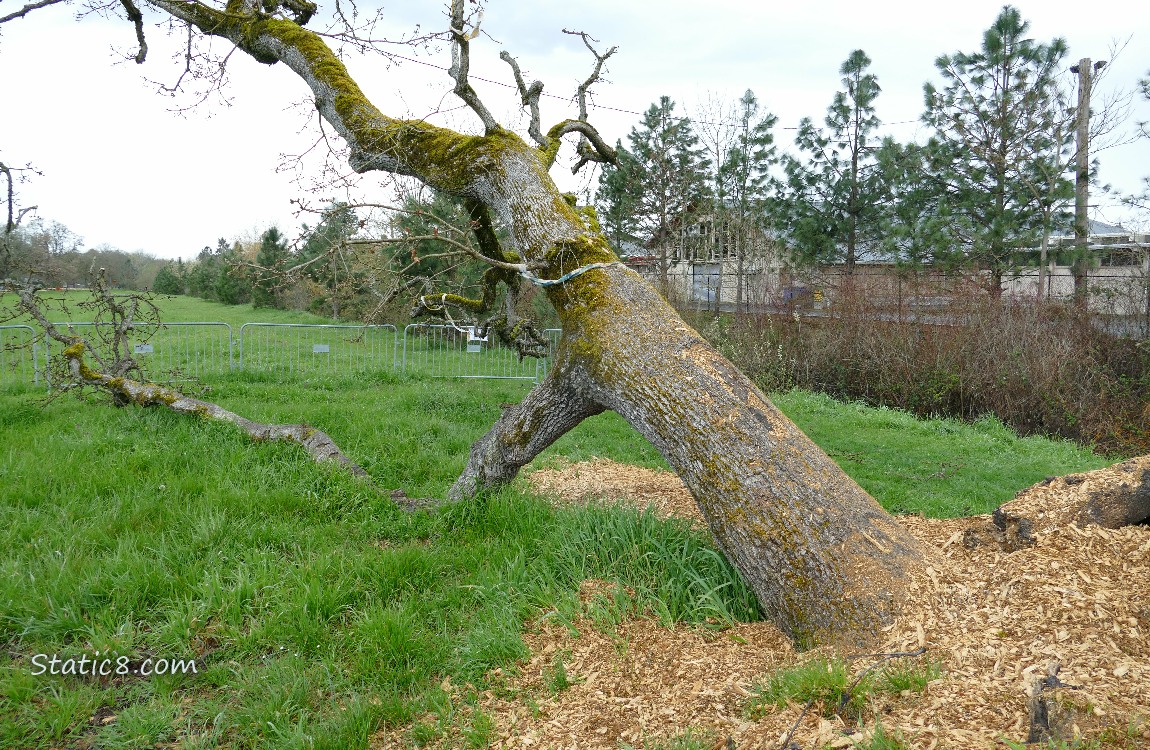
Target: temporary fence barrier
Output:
[
  {"x": 167, "y": 351},
  {"x": 303, "y": 348},
  {"x": 175, "y": 351},
  {"x": 20, "y": 352},
  {"x": 449, "y": 351}
]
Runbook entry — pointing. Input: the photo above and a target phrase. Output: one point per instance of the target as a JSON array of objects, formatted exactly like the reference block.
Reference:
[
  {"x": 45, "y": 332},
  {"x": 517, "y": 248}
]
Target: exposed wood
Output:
[{"x": 1111, "y": 497}]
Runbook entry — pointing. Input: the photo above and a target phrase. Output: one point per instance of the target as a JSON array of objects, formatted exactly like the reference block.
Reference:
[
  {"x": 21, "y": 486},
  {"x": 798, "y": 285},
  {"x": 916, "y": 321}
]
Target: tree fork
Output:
[{"x": 524, "y": 431}]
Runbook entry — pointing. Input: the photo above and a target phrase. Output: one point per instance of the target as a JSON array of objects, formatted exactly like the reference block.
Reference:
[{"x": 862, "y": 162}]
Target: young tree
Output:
[
  {"x": 915, "y": 224},
  {"x": 994, "y": 132},
  {"x": 322, "y": 253},
  {"x": 746, "y": 179},
  {"x": 203, "y": 273},
  {"x": 232, "y": 286},
  {"x": 617, "y": 200},
  {"x": 167, "y": 282},
  {"x": 833, "y": 206},
  {"x": 272, "y": 255},
  {"x": 668, "y": 180}
]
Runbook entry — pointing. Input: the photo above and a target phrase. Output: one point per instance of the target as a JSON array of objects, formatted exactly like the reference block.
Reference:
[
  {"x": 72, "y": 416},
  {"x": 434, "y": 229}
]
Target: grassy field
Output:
[
  {"x": 204, "y": 338},
  {"x": 318, "y": 611},
  {"x": 64, "y": 306}
]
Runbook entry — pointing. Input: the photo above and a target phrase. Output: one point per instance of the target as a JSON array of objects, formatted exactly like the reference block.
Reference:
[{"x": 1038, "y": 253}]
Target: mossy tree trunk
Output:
[{"x": 826, "y": 562}]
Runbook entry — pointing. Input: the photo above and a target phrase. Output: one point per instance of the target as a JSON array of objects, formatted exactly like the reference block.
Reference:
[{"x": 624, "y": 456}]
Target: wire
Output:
[{"x": 592, "y": 104}]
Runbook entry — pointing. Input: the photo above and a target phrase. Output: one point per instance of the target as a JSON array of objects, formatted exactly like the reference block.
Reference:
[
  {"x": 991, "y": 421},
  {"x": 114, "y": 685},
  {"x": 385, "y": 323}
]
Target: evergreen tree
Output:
[
  {"x": 834, "y": 201},
  {"x": 617, "y": 200},
  {"x": 181, "y": 272},
  {"x": 746, "y": 183},
  {"x": 167, "y": 282},
  {"x": 993, "y": 121},
  {"x": 915, "y": 224},
  {"x": 272, "y": 254},
  {"x": 338, "y": 222},
  {"x": 664, "y": 180},
  {"x": 202, "y": 276}
]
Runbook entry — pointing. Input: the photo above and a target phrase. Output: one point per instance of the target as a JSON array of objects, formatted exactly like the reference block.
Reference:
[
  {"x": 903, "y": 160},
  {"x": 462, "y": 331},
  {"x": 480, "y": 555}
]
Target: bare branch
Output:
[
  {"x": 461, "y": 61},
  {"x": 137, "y": 19},
  {"x": 585, "y": 87},
  {"x": 596, "y": 148},
  {"x": 28, "y": 9},
  {"x": 530, "y": 98},
  {"x": 317, "y": 443},
  {"x": 10, "y": 225},
  {"x": 584, "y": 148}
]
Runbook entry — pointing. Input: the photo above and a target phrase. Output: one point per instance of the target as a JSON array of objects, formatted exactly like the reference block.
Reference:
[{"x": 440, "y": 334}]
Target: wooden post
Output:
[{"x": 1085, "y": 70}]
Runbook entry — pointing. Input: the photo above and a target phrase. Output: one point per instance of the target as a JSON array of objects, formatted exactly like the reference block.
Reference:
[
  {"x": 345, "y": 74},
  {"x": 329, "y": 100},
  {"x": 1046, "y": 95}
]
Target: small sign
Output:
[
  {"x": 474, "y": 341},
  {"x": 143, "y": 349},
  {"x": 320, "y": 348}
]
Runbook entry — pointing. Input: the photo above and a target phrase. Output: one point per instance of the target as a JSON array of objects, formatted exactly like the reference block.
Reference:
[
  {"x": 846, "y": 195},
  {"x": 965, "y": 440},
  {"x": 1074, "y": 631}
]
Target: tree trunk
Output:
[{"x": 827, "y": 563}]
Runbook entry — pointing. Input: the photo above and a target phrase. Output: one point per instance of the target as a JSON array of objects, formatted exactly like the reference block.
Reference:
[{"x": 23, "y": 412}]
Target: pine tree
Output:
[
  {"x": 202, "y": 276},
  {"x": 232, "y": 285},
  {"x": 167, "y": 282},
  {"x": 747, "y": 184},
  {"x": 270, "y": 258},
  {"x": 834, "y": 200},
  {"x": 665, "y": 182},
  {"x": 617, "y": 200},
  {"x": 993, "y": 121},
  {"x": 337, "y": 223}
]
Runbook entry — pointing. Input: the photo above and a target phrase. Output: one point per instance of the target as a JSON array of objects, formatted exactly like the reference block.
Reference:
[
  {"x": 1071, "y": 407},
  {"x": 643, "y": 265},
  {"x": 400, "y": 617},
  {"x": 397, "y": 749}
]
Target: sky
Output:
[{"x": 129, "y": 166}]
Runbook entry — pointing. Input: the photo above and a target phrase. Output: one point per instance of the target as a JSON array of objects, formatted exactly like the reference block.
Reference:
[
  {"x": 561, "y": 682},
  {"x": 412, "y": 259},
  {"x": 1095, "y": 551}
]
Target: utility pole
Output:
[{"x": 1081, "y": 266}]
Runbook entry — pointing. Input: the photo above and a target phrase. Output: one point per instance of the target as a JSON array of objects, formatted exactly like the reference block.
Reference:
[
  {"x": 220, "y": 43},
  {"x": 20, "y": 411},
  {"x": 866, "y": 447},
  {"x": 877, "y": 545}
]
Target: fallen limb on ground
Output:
[{"x": 317, "y": 443}]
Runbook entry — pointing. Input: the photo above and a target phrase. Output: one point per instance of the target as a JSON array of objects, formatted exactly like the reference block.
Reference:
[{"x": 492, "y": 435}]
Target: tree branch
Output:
[
  {"x": 317, "y": 443},
  {"x": 529, "y": 95},
  {"x": 598, "y": 150},
  {"x": 28, "y": 9},
  {"x": 137, "y": 19},
  {"x": 460, "y": 62},
  {"x": 584, "y": 148}
]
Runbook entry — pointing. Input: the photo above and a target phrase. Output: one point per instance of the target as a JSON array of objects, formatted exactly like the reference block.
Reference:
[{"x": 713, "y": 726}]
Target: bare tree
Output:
[{"x": 827, "y": 564}]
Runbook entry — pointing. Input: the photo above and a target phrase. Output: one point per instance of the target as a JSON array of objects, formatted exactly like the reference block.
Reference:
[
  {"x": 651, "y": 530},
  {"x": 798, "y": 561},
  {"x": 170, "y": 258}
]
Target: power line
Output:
[{"x": 592, "y": 104}]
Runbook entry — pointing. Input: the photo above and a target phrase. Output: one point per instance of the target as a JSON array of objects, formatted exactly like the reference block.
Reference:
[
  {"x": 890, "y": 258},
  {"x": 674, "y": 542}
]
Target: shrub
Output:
[{"x": 1040, "y": 368}]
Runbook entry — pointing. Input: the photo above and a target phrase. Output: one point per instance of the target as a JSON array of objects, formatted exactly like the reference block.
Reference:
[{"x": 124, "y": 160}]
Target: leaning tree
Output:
[{"x": 827, "y": 564}]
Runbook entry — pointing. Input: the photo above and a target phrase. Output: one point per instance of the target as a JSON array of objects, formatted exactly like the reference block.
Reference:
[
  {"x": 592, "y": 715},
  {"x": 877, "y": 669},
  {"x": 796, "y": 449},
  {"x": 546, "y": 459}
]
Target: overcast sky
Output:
[{"x": 121, "y": 168}]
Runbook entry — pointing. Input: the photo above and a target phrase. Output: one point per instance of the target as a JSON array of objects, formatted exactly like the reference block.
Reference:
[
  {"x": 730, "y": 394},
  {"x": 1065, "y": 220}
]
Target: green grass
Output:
[
  {"x": 831, "y": 688},
  {"x": 63, "y": 306},
  {"x": 317, "y": 609},
  {"x": 938, "y": 467}
]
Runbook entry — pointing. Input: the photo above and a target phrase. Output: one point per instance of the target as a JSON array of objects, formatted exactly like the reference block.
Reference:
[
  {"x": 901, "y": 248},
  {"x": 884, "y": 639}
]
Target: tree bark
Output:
[
  {"x": 827, "y": 563},
  {"x": 317, "y": 443}
]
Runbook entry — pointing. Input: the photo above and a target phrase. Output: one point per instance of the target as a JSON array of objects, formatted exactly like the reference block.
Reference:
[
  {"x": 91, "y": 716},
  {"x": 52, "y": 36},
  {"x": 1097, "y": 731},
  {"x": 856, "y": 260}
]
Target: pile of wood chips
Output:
[{"x": 1077, "y": 602}]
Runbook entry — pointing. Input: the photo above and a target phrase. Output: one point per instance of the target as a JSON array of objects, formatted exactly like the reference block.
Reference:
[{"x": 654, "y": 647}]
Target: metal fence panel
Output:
[
  {"x": 306, "y": 349},
  {"x": 170, "y": 351},
  {"x": 20, "y": 354},
  {"x": 445, "y": 351}
]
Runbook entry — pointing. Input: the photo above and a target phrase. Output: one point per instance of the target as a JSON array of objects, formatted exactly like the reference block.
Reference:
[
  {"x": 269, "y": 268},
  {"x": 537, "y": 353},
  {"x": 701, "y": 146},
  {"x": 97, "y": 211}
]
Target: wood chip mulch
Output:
[{"x": 1076, "y": 602}]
